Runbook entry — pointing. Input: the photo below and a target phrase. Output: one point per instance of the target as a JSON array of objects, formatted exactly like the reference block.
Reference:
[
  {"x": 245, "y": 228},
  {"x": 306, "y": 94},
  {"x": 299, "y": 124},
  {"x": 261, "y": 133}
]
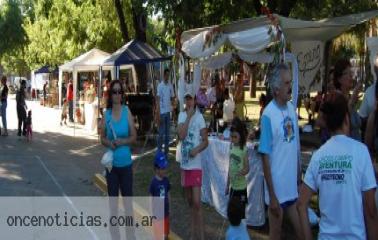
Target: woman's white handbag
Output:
[{"x": 107, "y": 158}]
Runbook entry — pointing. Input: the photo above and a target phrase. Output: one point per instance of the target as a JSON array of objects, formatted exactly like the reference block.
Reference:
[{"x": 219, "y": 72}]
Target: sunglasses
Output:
[{"x": 119, "y": 91}]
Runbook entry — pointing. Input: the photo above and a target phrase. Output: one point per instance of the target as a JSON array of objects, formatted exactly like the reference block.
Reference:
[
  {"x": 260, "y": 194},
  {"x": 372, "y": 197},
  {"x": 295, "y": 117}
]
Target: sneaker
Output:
[{"x": 19, "y": 134}]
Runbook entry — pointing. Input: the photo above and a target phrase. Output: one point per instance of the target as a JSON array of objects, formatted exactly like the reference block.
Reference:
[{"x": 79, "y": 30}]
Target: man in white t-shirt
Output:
[
  {"x": 341, "y": 171},
  {"x": 280, "y": 147},
  {"x": 164, "y": 97},
  {"x": 368, "y": 102},
  {"x": 192, "y": 133}
]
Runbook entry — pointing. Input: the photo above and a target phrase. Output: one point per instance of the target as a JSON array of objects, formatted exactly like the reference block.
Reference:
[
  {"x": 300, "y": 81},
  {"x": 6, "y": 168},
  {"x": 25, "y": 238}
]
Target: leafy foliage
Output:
[
  {"x": 67, "y": 29},
  {"x": 12, "y": 33},
  {"x": 39, "y": 32}
]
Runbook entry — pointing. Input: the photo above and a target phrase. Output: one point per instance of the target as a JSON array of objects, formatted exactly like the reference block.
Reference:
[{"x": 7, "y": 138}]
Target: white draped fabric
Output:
[
  {"x": 215, "y": 162},
  {"x": 248, "y": 41},
  {"x": 90, "y": 116},
  {"x": 252, "y": 40},
  {"x": 372, "y": 44},
  {"x": 194, "y": 46},
  {"x": 218, "y": 61}
]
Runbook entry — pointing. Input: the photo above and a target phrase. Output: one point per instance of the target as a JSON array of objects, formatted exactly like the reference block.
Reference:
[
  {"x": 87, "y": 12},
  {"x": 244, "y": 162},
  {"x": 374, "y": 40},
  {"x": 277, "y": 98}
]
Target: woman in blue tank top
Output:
[{"x": 118, "y": 132}]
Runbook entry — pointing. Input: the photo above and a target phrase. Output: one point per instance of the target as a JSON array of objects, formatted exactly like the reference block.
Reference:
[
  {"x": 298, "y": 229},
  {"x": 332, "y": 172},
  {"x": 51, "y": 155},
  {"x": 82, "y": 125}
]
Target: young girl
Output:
[
  {"x": 192, "y": 134},
  {"x": 239, "y": 166},
  {"x": 28, "y": 126},
  {"x": 64, "y": 113}
]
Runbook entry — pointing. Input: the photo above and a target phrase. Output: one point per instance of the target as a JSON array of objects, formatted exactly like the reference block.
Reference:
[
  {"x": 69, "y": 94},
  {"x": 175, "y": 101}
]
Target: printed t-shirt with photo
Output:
[
  {"x": 192, "y": 140},
  {"x": 280, "y": 141}
]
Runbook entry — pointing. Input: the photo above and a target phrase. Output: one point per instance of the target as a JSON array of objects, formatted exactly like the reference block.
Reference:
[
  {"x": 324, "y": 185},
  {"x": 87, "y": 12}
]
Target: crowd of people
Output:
[
  {"x": 341, "y": 171},
  {"x": 21, "y": 108}
]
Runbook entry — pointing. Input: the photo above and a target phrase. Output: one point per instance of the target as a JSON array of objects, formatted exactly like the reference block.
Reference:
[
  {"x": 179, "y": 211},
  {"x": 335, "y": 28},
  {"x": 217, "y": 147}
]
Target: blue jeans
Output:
[
  {"x": 120, "y": 178},
  {"x": 165, "y": 125},
  {"x": 4, "y": 114}
]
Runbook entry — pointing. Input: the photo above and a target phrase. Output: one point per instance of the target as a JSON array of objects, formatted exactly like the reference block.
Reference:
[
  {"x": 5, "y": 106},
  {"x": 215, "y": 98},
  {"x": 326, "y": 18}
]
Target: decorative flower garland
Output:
[
  {"x": 276, "y": 37},
  {"x": 212, "y": 37}
]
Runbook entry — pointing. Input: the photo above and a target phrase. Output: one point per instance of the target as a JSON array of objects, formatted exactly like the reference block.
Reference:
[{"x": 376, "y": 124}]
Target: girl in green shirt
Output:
[{"x": 238, "y": 165}]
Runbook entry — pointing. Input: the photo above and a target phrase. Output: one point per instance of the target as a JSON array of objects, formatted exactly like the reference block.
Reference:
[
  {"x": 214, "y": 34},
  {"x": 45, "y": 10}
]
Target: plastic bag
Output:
[{"x": 313, "y": 218}]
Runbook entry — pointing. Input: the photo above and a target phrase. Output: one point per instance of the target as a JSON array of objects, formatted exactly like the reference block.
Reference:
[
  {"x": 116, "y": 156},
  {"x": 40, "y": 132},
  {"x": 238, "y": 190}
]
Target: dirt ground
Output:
[{"x": 215, "y": 224}]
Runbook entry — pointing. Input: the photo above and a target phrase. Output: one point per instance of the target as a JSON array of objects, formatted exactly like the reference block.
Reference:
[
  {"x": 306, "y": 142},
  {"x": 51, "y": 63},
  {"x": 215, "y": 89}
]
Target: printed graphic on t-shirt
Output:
[
  {"x": 335, "y": 168},
  {"x": 288, "y": 128},
  {"x": 162, "y": 191},
  {"x": 187, "y": 146},
  {"x": 235, "y": 165},
  {"x": 235, "y": 158}
]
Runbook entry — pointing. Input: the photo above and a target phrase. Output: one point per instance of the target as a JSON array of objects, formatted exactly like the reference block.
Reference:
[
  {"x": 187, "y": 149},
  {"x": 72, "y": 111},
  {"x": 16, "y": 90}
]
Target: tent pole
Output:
[
  {"x": 60, "y": 87},
  {"x": 327, "y": 50}
]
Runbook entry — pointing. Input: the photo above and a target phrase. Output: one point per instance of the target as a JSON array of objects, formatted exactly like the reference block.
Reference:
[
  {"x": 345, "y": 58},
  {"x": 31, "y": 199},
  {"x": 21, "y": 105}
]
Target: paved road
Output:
[{"x": 58, "y": 161}]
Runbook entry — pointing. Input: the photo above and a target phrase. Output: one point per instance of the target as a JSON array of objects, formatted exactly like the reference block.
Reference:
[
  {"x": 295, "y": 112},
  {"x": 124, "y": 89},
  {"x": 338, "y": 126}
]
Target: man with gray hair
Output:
[{"x": 280, "y": 148}]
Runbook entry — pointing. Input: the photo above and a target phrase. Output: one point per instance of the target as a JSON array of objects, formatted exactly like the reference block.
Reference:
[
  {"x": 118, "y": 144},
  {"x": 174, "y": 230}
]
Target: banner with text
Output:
[{"x": 310, "y": 57}]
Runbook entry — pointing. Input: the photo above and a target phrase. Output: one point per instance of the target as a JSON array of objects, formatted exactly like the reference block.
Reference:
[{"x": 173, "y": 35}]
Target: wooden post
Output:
[{"x": 252, "y": 82}]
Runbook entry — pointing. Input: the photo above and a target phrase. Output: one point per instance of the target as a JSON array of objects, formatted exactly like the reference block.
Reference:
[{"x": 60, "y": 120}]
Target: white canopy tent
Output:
[
  {"x": 294, "y": 29},
  {"x": 89, "y": 61},
  {"x": 251, "y": 36}
]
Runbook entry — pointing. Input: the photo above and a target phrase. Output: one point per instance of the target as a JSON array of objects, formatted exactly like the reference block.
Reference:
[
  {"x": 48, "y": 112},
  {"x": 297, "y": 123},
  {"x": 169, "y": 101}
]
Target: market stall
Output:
[
  {"x": 257, "y": 40},
  {"x": 86, "y": 72},
  {"x": 39, "y": 78}
]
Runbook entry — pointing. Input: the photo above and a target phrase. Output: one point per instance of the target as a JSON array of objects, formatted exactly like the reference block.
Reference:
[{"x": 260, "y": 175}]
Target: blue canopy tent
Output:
[
  {"x": 42, "y": 75},
  {"x": 47, "y": 69},
  {"x": 136, "y": 53},
  {"x": 133, "y": 52}
]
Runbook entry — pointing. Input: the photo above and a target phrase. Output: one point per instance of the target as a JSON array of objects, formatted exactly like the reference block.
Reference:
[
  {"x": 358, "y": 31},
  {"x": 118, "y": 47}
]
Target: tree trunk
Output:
[
  {"x": 122, "y": 22},
  {"x": 286, "y": 7},
  {"x": 140, "y": 24},
  {"x": 273, "y": 5},
  {"x": 257, "y": 5}
]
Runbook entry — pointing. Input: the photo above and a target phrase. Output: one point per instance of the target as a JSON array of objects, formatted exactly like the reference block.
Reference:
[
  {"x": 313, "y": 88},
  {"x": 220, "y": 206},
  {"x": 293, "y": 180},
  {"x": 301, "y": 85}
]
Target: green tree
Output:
[
  {"x": 12, "y": 33},
  {"x": 12, "y": 38},
  {"x": 63, "y": 30}
]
